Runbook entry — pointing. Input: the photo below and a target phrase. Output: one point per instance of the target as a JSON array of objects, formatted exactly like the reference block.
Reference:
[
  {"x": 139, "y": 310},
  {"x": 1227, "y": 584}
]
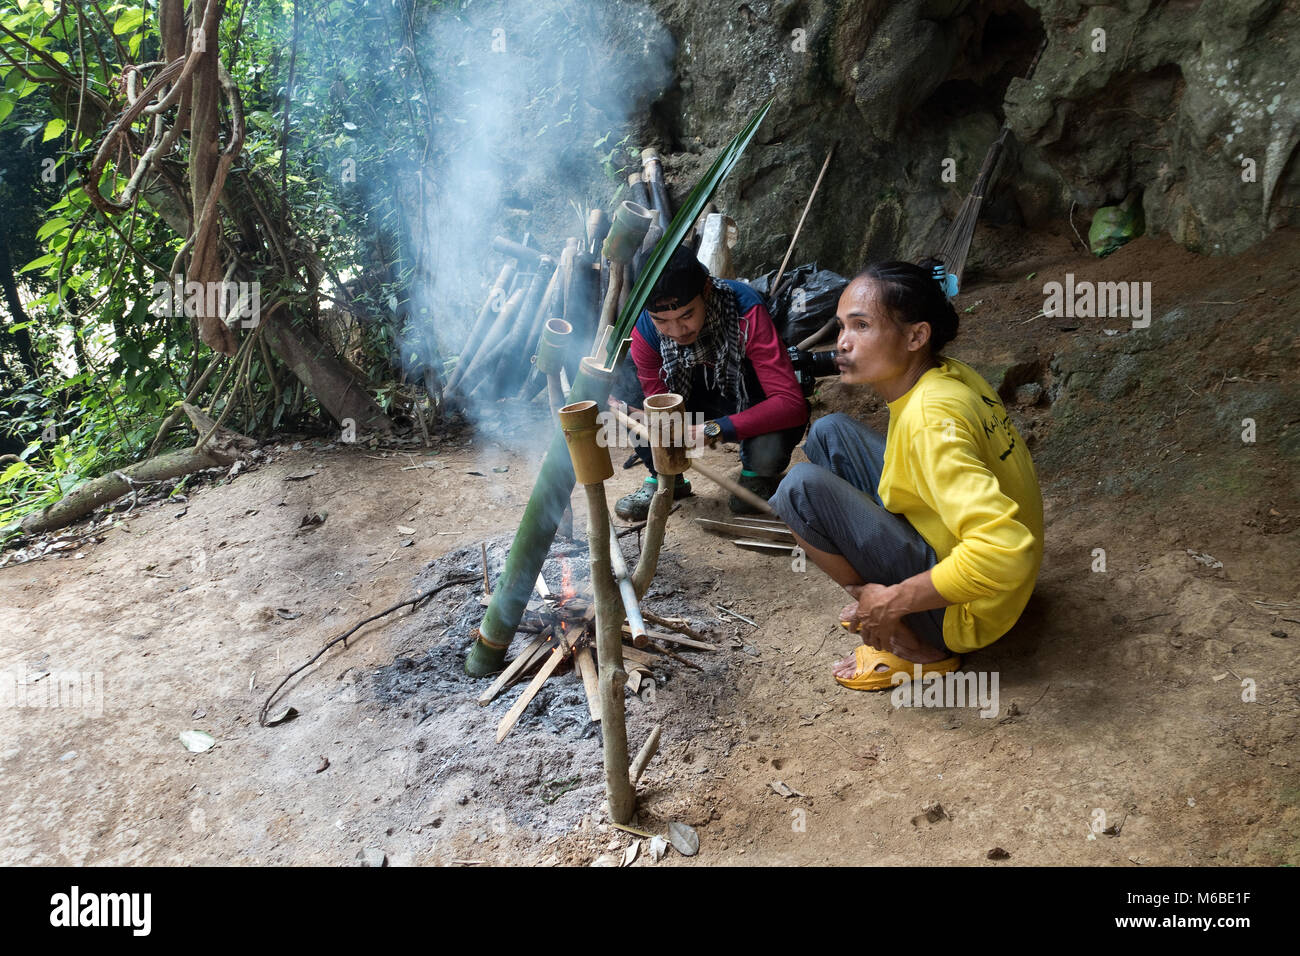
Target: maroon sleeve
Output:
[
  {"x": 784, "y": 407},
  {"x": 648, "y": 363}
]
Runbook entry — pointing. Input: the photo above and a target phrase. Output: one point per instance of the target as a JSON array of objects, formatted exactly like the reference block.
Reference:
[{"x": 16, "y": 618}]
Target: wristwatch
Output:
[{"x": 712, "y": 432}]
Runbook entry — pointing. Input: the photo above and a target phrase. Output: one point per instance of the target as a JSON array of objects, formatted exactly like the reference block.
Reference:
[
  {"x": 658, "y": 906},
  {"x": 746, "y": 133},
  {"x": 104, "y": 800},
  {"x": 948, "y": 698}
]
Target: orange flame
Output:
[{"x": 567, "y": 590}]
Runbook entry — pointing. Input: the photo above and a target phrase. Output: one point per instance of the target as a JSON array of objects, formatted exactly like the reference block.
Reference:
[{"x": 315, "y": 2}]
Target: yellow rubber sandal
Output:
[{"x": 868, "y": 678}]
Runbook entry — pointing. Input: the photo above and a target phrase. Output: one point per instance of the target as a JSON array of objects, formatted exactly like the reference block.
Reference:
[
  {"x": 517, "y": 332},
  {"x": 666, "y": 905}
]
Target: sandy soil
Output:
[{"x": 1121, "y": 692}]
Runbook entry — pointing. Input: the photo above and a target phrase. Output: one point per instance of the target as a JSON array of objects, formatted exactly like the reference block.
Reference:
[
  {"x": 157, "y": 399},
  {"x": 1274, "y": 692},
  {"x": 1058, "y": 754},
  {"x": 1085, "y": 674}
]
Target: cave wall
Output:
[{"x": 1182, "y": 93}]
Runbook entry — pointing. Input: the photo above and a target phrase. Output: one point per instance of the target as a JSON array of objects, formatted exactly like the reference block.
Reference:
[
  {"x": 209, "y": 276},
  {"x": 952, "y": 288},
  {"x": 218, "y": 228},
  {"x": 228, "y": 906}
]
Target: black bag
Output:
[{"x": 807, "y": 302}]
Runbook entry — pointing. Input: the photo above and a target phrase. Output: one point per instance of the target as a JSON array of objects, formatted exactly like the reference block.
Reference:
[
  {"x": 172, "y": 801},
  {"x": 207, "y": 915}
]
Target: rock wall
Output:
[{"x": 1173, "y": 98}]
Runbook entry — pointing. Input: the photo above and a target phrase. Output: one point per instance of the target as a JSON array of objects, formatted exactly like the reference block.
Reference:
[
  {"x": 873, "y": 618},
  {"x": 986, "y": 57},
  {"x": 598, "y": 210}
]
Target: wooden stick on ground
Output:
[
  {"x": 644, "y": 755},
  {"x": 527, "y": 657},
  {"x": 673, "y": 624},
  {"x": 516, "y": 711}
]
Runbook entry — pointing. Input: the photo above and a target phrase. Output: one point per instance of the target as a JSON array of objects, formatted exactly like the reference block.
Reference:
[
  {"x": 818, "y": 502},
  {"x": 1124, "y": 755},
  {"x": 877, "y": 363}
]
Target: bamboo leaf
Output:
[{"x": 690, "y": 211}]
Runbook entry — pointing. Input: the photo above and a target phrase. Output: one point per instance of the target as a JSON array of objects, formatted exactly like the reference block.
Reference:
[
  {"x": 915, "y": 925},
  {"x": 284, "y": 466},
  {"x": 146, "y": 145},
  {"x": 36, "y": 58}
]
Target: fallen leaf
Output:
[
  {"x": 311, "y": 519},
  {"x": 658, "y": 847},
  {"x": 289, "y": 713},
  {"x": 288, "y": 615},
  {"x": 629, "y": 855},
  {"x": 323, "y": 765},
  {"x": 997, "y": 853},
  {"x": 403, "y": 529},
  {"x": 197, "y": 741},
  {"x": 683, "y": 838},
  {"x": 301, "y": 476},
  {"x": 781, "y": 788}
]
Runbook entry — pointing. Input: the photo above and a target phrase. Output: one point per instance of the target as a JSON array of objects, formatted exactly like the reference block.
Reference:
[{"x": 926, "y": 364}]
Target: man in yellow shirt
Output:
[{"x": 935, "y": 529}]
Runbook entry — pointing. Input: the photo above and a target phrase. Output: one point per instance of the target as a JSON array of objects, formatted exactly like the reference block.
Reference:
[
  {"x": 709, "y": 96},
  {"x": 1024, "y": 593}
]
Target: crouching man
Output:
[{"x": 712, "y": 341}]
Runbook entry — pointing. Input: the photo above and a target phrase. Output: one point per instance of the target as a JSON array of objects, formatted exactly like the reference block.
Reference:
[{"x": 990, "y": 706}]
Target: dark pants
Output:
[
  {"x": 833, "y": 503},
  {"x": 767, "y": 455}
]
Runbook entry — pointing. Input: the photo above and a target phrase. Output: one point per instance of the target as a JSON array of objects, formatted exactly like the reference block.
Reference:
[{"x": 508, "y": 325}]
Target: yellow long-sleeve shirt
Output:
[{"x": 958, "y": 470}]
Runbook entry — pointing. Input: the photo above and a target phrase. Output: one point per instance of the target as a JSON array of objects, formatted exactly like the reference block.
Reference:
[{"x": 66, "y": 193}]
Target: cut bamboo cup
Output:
[
  {"x": 591, "y": 463},
  {"x": 626, "y": 232},
  {"x": 667, "y": 426}
]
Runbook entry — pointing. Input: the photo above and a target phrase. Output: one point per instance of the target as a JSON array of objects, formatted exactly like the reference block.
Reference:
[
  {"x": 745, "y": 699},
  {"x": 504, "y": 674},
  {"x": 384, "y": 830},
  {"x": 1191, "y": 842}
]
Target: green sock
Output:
[
  {"x": 652, "y": 480},
  {"x": 746, "y": 473}
]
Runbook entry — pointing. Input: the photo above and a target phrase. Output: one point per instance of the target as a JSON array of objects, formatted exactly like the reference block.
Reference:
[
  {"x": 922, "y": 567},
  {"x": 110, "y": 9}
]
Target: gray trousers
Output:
[{"x": 832, "y": 502}]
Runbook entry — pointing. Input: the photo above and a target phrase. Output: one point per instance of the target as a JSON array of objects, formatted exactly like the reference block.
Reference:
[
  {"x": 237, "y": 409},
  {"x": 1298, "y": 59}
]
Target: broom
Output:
[{"x": 955, "y": 245}]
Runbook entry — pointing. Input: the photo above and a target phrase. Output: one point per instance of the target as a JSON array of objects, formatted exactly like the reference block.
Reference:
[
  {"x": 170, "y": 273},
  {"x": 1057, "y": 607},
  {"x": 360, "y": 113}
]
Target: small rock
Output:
[
  {"x": 1029, "y": 393},
  {"x": 605, "y": 860},
  {"x": 372, "y": 856},
  {"x": 683, "y": 838},
  {"x": 1279, "y": 633},
  {"x": 323, "y": 765},
  {"x": 70, "y": 755},
  {"x": 997, "y": 853},
  {"x": 931, "y": 813}
]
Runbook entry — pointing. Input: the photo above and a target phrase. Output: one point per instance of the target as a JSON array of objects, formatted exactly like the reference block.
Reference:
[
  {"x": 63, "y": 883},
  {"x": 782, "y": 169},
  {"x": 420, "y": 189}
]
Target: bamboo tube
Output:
[
  {"x": 553, "y": 347},
  {"x": 742, "y": 493},
  {"x": 637, "y": 189},
  {"x": 609, "y": 311},
  {"x": 652, "y": 173},
  {"x": 667, "y": 427},
  {"x": 525, "y": 254},
  {"x": 626, "y": 232},
  {"x": 473, "y": 342},
  {"x": 611, "y": 676},
  {"x": 504, "y": 367},
  {"x": 544, "y": 312},
  {"x": 624, "y": 287},
  {"x": 630, "y": 601},
  {"x": 597, "y": 229},
  {"x": 549, "y": 498},
  {"x": 591, "y": 463},
  {"x": 487, "y": 353},
  {"x": 652, "y": 237}
]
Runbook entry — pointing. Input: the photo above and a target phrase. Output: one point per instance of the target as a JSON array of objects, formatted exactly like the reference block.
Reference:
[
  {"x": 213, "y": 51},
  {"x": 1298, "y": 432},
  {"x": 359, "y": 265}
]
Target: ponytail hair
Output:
[{"x": 912, "y": 294}]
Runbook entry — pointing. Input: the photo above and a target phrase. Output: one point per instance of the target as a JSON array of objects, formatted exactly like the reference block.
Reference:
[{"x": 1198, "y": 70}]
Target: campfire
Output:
[{"x": 563, "y": 629}]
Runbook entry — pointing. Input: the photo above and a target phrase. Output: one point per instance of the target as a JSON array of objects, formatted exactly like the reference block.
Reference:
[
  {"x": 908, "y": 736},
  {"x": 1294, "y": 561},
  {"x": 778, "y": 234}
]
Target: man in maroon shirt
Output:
[{"x": 712, "y": 341}]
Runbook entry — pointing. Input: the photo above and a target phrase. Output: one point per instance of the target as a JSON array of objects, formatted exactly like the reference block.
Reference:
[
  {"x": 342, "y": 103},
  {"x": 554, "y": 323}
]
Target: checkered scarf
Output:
[{"x": 719, "y": 348}]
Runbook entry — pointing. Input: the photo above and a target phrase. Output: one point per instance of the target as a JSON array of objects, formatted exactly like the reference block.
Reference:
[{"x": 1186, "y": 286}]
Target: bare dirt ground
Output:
[{"x": 1156, "y": 698}]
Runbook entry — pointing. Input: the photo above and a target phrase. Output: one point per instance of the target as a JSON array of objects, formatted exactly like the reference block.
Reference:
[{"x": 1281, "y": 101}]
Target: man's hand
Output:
[
  {"x": 634, "y": 413},
  {"x": 872, "y": 616}
]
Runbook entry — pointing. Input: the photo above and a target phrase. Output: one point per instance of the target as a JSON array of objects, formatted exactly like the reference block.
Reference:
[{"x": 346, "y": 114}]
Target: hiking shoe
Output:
[
  {"x": 636, "y": 506},
  {"x": 761, "y": 485}
]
